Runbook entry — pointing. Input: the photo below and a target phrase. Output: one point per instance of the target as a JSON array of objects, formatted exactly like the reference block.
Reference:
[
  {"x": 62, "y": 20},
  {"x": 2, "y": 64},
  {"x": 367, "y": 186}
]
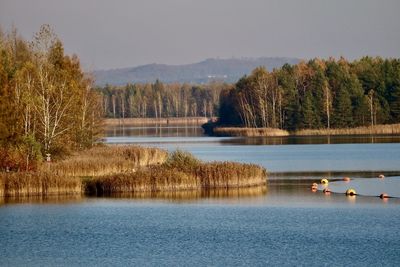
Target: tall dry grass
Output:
[
  {"x": 107, "y": 160},
  {"x": 108, "y": 170},
  {"x": 271, "y": 132},
  {"x": 144, "y": 121},
  {"x": 229, "y": 175},
  {"x": 368, "y": 130},
  {"x": 180, "y": 172},
  {"x": 37, "y": 184},
  {"x": 249, "y": 132}
]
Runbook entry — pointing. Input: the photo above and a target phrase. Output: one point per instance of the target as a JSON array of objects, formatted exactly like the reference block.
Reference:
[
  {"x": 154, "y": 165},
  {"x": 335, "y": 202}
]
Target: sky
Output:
[{"x": 125, "y": 33}]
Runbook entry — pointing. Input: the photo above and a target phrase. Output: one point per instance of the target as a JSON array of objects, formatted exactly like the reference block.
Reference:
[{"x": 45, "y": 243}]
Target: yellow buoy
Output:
[
  {"x": 351, "y": 192},
  {"x": 324, "y": 181}
]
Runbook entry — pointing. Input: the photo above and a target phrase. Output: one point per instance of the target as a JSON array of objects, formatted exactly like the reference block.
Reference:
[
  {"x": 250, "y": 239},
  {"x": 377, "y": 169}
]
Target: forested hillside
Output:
[
  {"x": 225, "y": 70},
  {"x": 316, "y": 94}
]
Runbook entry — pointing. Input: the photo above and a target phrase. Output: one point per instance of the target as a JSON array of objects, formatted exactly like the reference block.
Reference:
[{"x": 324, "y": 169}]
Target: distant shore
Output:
[
  {"x": 215, "y": 130},
  {"x": 162, "y": 121}
]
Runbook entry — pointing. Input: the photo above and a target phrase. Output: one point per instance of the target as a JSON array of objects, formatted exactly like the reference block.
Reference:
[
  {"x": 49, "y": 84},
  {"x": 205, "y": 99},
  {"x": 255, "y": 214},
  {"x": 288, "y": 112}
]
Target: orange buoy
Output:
[
  {"x": 327, "y": 191},
  {"x": 346, "y": 179},
  {"x": 314, "y": 186},
  {"x": 384, "y": 195},
  {"x": 324, "y": 181},
  {"x": 351, "y": 192},
  {"x": 381, "y": 176}
]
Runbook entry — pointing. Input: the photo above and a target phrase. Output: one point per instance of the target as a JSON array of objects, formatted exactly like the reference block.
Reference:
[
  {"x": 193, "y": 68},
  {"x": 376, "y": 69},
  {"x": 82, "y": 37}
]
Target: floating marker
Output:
[
  {"x": 313, "y": 189},
  {"x": 351, "y": 192},
  {"x": 346, "y": 179},
  {"x": 314, "y": 186},
  {"x": 324, "y": 181},
  {"x": 381, "y": 176},
  {"x": 384, "y": 195}
]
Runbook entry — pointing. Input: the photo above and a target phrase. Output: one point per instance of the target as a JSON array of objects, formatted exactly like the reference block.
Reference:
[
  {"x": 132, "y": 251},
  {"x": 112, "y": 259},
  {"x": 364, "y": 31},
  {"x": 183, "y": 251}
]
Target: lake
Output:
[{"x": 283, "y": 224}]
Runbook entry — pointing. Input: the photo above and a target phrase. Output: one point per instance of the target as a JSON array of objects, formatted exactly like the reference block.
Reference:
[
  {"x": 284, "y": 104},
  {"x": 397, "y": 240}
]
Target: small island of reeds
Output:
[
  {"x": 129, "y": 169},
  {"x": 219, "y": 130}
]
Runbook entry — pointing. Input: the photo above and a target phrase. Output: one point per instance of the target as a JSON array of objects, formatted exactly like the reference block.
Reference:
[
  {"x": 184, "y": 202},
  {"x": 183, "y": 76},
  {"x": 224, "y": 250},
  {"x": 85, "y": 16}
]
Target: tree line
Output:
[
  {"x": 316, "y": 94},
  {"x": 47, "y": 104},
  {"x": 158, "y": 100}
]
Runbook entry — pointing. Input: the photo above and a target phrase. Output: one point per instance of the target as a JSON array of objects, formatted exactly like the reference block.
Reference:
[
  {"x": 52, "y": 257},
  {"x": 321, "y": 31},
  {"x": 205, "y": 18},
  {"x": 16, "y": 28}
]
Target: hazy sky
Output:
[{"x": 121, "y": 33}]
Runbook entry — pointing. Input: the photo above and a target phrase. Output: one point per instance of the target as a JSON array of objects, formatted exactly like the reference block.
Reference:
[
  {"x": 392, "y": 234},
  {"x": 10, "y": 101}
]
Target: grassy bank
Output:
[
  {"x": 271, "y": 132},
  {"x": 162, "y": 121},
  {"x": 129, "y": 169}
]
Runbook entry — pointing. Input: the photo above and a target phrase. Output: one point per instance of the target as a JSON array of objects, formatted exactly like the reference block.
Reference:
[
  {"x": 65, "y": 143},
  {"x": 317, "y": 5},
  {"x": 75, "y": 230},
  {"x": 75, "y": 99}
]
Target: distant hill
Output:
[{"x": 229, "y": 70}]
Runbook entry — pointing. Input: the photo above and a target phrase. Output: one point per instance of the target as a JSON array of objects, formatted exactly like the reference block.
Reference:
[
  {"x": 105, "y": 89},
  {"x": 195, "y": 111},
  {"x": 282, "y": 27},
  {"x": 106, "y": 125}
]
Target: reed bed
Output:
[
  {"x": 153, "y": 179},
  {"x": 130, "y": 169},
  {"x": 230, "y": 175},
  {"x": 249, "y": 132},
  {"x": 370, "y": 130},
  {"x": 16, "y": 184},
  {"x": 180, "y": 172},
  {"x": 271, "y": 132},
  {"x": 107, "y": 160},
  {"x": 144, "y": 121}
]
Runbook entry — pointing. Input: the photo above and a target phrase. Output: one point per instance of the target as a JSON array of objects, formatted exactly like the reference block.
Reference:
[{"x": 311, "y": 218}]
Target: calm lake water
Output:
[{"x": 283, "y": 224}]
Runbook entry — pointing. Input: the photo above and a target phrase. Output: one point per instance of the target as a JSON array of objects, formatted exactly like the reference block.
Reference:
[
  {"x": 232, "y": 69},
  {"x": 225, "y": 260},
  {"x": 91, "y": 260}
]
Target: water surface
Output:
[
  {"x": 285, "y": 224},
  {"x": 278, "y": 154},
  {"x": 329, "y": 231}
]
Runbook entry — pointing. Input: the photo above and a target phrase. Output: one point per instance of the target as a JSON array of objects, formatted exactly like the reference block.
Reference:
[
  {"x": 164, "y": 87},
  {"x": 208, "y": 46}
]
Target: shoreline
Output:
[
  {"x": 161, "y": 121},
  {"x": 221, "y": 131}
]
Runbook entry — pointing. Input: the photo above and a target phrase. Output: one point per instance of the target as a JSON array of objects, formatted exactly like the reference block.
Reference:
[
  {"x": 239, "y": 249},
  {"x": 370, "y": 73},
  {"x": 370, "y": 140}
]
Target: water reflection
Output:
[
  {"x": 193, "y": 130},
  {"x": 155, "y": 130},
  {"x": 66, "y": 199},
  {"x": 313, "y": 140},
  {"x": 195, "y": 194},
  {"x": 316, "y": 176}
]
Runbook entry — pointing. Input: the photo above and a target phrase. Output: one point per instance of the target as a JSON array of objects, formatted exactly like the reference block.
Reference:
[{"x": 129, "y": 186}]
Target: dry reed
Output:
[
  {"x": 367, "y": 130},
  {"x": 108, "y": 160},
  {"x": 17, "y": 184},
  {"x": 107, "y": 170},
  {"x": 249, "y": 132},
  {"x": 181, "y": 172}
]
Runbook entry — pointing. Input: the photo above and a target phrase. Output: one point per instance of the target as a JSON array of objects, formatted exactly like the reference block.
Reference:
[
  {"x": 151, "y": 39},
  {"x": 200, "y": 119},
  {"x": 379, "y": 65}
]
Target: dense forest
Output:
[
  {"x": 47, "y": 104},
  {"x": 159, "y": 100},
  {"x": 316, "y": 94}
]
